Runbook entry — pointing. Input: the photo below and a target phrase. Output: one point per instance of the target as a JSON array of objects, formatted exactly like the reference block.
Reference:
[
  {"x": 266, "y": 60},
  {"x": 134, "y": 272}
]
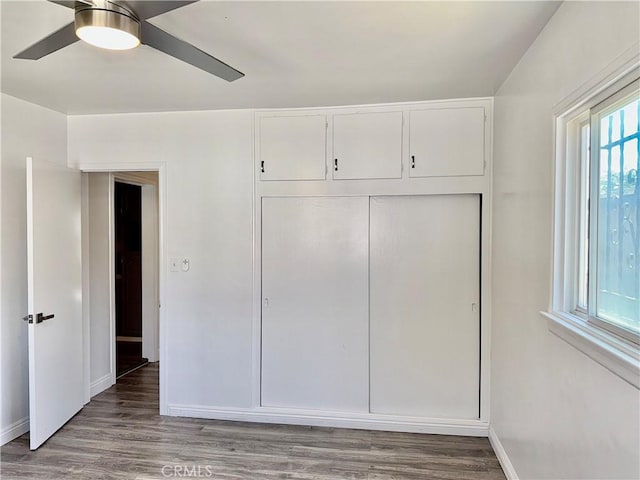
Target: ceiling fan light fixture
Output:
[{"x": 107, "y": 29}]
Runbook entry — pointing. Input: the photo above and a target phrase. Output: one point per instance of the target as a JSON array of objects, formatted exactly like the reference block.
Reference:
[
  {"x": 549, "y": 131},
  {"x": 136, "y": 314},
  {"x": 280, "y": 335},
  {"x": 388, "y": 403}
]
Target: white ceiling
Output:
[{"x": 294, "y": 54}]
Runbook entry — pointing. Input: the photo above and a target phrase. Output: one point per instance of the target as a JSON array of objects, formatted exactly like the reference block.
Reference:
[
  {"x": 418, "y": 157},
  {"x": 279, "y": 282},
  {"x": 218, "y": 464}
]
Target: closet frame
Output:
[{"x": 480, "y": 185}]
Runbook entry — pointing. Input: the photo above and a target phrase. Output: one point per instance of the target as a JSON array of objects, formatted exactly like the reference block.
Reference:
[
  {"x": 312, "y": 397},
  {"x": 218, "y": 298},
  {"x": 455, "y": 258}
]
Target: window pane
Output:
[
  {"x": 618, "y": 276},
  {"x": 631, "y": 118}
]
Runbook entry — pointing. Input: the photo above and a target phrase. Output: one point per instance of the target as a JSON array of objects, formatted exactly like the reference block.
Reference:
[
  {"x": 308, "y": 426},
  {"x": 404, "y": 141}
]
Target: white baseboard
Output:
[
  {"x": 366, "y": 421},
  {"x": 14, "y": 430},
  {"x": 100, "y": 385},
  {"x": 503, "y": 458}
]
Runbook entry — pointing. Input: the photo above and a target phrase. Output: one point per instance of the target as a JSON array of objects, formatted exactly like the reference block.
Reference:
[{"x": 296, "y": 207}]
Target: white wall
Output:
[
  {"x": 27, "y": 130},
  {"x": 558, "y": 413},
  {"x": 100, "y": 348},
  {"x": 209, "y": 195}
]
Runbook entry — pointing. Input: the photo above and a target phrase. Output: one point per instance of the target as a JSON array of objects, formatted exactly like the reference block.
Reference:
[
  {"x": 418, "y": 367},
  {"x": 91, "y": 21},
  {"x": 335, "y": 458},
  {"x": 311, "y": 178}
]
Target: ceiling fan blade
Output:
[
  {"x": 150, "y": 8},
  {"x": 57, "y": 40},
  {"x": 161, "y": 40},
  {"x": 71, "y": 3}
]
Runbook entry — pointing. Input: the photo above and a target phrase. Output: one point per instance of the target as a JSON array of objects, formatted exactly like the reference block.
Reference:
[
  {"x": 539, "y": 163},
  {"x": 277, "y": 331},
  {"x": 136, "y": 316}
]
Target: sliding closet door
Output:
[
  {"x": 315, "y": 332},
  {"x": 425, "y": 325}
]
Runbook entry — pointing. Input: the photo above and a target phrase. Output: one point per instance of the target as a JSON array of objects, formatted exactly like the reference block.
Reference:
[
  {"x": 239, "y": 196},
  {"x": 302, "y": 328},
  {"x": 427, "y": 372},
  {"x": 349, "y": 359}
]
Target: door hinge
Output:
[{"x": 28, "y": 318}]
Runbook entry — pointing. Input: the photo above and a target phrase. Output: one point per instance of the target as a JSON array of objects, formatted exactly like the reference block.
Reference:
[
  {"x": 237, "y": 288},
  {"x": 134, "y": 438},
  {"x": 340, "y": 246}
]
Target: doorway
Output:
[
  {"x": 135, "y": 263},
  {"x": 128, "y": 277},
  {"x": 123, "y": 275}
]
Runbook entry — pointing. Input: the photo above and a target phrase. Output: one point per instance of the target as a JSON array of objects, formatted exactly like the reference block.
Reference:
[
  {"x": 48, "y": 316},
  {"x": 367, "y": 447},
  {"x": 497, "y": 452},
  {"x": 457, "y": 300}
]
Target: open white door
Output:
[{"x": 54, "y": 259}]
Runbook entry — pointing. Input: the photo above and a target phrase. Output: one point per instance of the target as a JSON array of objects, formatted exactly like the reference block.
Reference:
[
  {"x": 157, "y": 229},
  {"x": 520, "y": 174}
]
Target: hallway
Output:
[{"x": 119, "y": 435}]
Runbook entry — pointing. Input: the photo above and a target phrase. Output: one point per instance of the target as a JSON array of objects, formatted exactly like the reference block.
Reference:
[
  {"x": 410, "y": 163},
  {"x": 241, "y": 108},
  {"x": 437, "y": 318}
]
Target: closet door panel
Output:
[
  {"x": 425, "y": 325},
  {"x": 315, "y": 335}
]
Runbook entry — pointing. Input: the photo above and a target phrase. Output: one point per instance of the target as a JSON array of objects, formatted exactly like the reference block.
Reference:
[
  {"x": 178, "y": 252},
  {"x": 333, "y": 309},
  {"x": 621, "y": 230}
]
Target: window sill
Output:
[{"x": 618, "y": 356}]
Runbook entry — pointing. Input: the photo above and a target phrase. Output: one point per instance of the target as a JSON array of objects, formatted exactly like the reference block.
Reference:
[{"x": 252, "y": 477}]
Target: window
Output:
[
  {"x": 596, "y": 291},
  {"x": 615, "y": 211}
]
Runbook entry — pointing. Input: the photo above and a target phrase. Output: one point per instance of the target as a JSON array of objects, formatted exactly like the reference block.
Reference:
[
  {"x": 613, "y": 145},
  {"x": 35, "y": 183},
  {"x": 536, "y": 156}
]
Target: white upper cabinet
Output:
[
  {"x": 292, "y": 147},
  {"x": 442, "y": 140},
  {"x": 367, "y": 145},
  {"x": 447, "y": 142}
]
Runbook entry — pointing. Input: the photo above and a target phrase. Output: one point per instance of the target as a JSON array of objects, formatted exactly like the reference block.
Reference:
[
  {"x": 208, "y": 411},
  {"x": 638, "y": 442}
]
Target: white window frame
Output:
[{"x": 571, "y": 324}]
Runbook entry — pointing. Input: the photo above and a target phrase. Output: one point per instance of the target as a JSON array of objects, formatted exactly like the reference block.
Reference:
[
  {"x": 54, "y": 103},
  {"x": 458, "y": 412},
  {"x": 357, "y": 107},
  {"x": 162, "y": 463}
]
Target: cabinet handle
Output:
[
  {"x": 335, "y": 164},
  {"x": 262, "y": 166},
  {"x": 413, "y": 161}
]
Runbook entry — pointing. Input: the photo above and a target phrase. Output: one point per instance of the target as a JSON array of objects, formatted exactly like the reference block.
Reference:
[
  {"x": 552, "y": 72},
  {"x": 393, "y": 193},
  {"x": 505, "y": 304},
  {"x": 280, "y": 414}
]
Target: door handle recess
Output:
[{"x": 41, "y": 317}]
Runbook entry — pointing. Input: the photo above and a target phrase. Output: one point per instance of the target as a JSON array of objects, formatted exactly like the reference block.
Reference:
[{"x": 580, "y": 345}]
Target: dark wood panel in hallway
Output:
[{"x": 119, "y": 435}]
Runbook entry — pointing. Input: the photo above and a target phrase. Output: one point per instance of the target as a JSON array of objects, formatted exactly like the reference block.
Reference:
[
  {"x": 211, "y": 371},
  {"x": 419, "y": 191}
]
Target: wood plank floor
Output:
[{"x": 120, "y": 435}]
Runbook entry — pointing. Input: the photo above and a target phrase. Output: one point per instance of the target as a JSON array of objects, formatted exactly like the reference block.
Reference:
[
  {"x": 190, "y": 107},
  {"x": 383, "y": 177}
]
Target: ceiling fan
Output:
[{"x": 123, "y": 25}]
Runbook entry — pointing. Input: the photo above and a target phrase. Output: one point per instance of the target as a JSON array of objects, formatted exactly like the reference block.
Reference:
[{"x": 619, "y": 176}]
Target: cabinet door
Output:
[
  {"x": 292, "y": 147},
  {"x": 367, "y": 145},
  {"x": 315, "y": 332},
  {"x": 425, "y": 325},
  {"x": 446, "y": 142}
]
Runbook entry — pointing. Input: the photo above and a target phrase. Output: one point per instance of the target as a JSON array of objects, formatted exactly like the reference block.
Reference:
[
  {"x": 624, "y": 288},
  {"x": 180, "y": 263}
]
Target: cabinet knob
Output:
[
  {"x": 335, "y": 164},
  {"x": 413, "y": 161},
  {"x": 262, "y": 166}
]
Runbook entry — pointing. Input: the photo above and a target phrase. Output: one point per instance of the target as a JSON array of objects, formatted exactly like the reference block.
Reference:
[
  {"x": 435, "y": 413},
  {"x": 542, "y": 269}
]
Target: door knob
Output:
[{"x": 41, "y": 317}]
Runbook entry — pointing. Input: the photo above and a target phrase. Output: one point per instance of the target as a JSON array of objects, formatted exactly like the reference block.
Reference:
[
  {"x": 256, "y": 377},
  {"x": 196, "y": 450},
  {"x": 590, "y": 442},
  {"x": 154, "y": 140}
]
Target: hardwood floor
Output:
[{"x": 120, "y": 435}]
